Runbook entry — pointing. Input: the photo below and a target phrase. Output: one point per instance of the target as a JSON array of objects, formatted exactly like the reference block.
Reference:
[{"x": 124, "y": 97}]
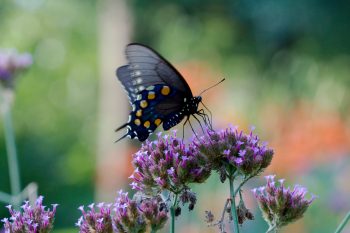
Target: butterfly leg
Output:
[
  {"x": 188, "y": 118},
  {"x": 183, "y": 128},
  {"x": 205, "y": 118},
  {"x": 208, "y": 120},
  {"x": 211, "y": 115},
  {"x": 199, "y": 123}
]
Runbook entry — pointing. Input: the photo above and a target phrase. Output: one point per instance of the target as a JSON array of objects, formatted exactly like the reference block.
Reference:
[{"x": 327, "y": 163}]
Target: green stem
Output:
[
  {"x": 343, "y": 223},
  {"x": 233, "y": 205},
  {"x": 153, "y": 231},
  {"x": 172, "y": 214},
  {"x": 12, "y": 157}
]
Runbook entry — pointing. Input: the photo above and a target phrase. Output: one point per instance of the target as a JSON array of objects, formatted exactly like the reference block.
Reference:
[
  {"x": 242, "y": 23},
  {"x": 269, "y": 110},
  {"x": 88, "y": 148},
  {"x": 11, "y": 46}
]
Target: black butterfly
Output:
[{"x": 158, "y": 93}]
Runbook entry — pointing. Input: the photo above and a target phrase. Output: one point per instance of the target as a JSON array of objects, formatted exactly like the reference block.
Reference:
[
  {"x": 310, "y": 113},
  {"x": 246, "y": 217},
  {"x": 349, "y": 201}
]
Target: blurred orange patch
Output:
[
  {"x": 304, "y": 136},
  {"x": 200, "y": 76}
]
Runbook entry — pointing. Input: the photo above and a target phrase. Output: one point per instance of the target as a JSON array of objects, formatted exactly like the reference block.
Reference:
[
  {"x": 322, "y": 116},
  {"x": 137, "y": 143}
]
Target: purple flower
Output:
[
  {"x": 95, "y": 219},
  {"x": 168, "y": 164},
  {"x": 135, "y": 215},
  {"x": 33, "y": 218},
  {"x": 155, "y": 212},
  {"x": 11, "y": 63},
  {"x": 281, "y": 205},
  {"x": 235, "y": 151}
]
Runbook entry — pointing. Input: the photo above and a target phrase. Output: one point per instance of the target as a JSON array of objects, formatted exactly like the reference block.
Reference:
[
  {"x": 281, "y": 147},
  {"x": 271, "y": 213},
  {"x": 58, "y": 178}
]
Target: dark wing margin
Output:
[{"x": 123, "y": 75}]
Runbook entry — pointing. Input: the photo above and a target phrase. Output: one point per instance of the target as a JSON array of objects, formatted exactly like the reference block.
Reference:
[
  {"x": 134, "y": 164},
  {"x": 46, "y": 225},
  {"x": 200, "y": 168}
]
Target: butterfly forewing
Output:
[{"x": 142, "y": 58}]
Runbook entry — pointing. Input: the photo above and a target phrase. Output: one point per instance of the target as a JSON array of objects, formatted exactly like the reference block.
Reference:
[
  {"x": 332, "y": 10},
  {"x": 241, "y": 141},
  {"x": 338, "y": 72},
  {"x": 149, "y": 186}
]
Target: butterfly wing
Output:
[
  {"x": 172, "y": 111},
  {"x": 146, "y": 68},
  {"x": 155, "y": 88}
]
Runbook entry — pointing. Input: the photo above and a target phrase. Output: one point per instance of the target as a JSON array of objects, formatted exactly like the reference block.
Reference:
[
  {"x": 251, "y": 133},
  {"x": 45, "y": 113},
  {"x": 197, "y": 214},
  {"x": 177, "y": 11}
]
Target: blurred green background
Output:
[{"x": 287, "y": 65}]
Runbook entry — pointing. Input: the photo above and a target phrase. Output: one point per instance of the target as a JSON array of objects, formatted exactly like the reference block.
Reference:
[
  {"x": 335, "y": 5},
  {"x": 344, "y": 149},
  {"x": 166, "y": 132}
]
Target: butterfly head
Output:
[
  {"x": 197, "y": 100},
  {"x": 194, "y": 103}
]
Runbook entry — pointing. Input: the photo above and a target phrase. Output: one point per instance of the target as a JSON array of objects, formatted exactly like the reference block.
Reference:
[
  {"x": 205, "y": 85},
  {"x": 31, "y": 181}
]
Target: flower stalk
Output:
[
  {"x": 11, "y": 64},
  {"x": 11, "y": 149},
  {"x": 172, "y": 214},
  {"x": 233, "y": 205},
  {"x": 343, "y": 223}
]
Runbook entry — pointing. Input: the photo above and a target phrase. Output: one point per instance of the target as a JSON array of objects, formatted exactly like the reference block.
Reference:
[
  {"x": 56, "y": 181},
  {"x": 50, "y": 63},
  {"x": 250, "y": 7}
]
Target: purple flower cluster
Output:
[
  {"x": 10, "y": 64},
  {"x": 96, "y": 219},
  {"x": 168, "y": 164},
  {"x": 231, "y": 149},
  {"x": 33, "y": 219},
  {"x": 281, "y": 205},
  {"x": 133, "y": 215},
  {"x": 155, "y": 212},
  {"x": 126, "y": 215}
]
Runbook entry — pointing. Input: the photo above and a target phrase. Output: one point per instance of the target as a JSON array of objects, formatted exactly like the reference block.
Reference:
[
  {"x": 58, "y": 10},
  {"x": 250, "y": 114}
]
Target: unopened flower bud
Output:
[{"x": 177, "y": 211}]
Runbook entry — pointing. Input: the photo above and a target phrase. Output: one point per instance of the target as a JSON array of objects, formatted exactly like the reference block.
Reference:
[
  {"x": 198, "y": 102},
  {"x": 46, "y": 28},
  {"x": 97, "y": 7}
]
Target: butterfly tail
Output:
[
  {"x": 121, "y": 127},
  {"x": 122, "y": 138}
]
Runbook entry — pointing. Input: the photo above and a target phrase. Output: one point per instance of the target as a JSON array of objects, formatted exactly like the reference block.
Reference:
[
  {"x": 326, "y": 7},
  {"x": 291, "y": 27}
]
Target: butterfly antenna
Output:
[{"x": 212, "y": 86}]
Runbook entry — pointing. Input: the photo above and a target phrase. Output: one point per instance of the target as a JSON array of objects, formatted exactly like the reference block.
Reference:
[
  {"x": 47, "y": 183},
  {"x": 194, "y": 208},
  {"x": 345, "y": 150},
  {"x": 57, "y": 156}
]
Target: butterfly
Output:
[{"x": 158, "y": 93}]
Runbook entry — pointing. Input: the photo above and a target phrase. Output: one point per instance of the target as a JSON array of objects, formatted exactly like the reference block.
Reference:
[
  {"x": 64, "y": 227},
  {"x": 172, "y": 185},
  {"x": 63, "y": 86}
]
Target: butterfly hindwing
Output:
[{"x": 145, "y": 116}]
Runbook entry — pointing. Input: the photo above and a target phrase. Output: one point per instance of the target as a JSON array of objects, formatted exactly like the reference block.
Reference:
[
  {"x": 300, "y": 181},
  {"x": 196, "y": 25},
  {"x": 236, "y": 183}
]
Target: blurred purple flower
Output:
[
  {"x": 168, "y": 164},
  {"x": 233, "y": 150},
  {"x": 11, "y": 62},
  {"x": 96, "y": 219},
  {"x": 281, "y": 205},
  {"x": 32, "y": 219}
]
